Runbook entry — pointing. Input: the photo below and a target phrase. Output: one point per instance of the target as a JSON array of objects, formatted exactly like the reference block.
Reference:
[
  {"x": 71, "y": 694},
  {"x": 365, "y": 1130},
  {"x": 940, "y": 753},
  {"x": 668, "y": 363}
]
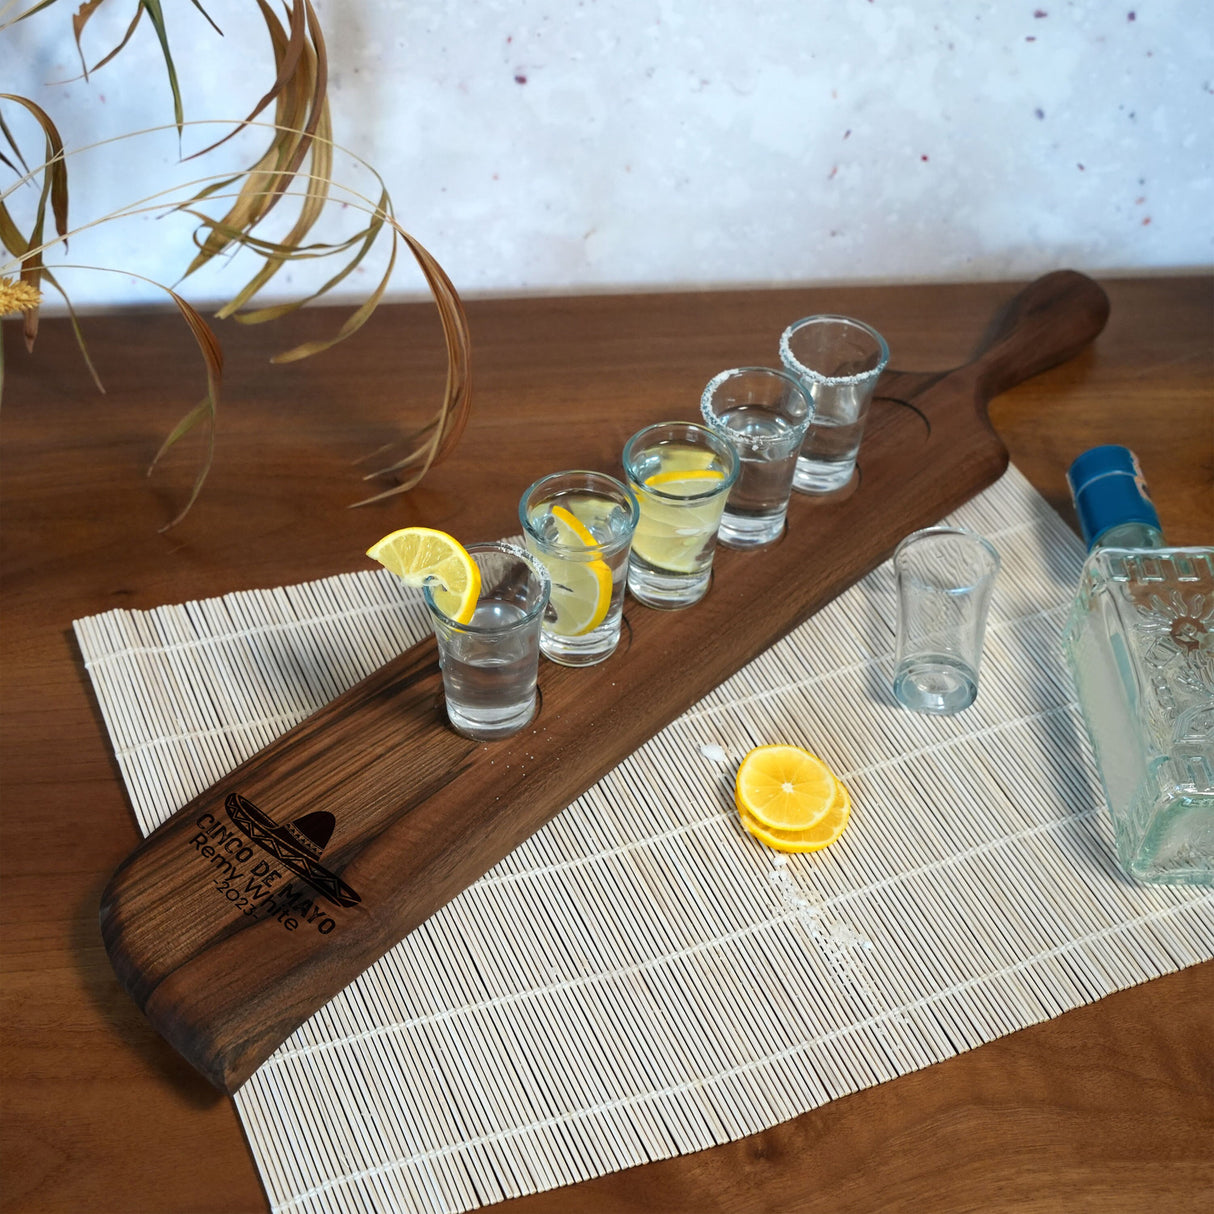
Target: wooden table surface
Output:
[{"x": 1109, "y": 1107}]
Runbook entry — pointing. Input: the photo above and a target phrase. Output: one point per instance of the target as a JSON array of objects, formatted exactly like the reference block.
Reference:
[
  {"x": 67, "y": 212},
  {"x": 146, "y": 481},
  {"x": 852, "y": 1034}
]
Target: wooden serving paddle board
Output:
[{"x": 256, "y": 903}]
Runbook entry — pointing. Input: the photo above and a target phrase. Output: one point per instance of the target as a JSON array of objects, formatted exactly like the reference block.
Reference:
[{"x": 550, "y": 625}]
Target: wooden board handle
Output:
[
  {"x": 1049, "y": 322},
  {"x": 257, "y": 902}
]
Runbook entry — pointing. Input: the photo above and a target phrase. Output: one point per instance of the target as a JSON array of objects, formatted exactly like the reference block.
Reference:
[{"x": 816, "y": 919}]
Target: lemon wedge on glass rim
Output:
[
  {"x": 421, "y": 556},
  {"x": 581, "y": 589},
  {"x": 790, "y": 800}
]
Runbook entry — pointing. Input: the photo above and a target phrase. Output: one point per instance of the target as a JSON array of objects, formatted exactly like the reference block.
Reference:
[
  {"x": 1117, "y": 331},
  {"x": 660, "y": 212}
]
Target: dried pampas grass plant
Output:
[{"x": 296, "y": 163}]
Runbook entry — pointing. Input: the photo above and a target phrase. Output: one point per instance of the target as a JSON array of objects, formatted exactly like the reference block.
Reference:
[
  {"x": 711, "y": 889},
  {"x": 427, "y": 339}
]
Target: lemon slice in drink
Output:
[
  {"x": 421, "y": 555},
  {"x": 684, "y": 482},
  {"x": 785, "y": 788},
  {"x": 581, "y": 590},
  {"x": 670, "y": 535},
  {"x": 679, "y": 458}
]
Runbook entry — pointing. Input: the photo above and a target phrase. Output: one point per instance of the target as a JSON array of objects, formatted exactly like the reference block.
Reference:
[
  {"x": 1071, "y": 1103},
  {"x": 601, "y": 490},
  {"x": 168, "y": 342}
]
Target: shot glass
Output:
[
  {"x": 944, "y": 577},
  {"x": 764, "y": 415},
  {"x": 580, "y": 524},
  {"x": 682, "y": 474},
  {"x": 490, "y": 664},
  {"x": 839, "y": 361}
]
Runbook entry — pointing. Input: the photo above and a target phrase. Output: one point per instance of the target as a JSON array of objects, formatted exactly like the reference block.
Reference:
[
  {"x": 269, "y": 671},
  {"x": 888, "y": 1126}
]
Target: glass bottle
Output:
[{"x": 1140, "y": 645}]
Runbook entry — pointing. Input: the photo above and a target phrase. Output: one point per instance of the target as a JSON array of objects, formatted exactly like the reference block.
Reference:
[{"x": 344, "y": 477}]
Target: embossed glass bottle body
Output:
[{"x": 1140, "y": 643}]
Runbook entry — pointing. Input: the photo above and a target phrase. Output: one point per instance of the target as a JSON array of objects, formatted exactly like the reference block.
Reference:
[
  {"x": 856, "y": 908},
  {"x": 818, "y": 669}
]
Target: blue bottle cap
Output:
[{"x": 1108, "y": 488}]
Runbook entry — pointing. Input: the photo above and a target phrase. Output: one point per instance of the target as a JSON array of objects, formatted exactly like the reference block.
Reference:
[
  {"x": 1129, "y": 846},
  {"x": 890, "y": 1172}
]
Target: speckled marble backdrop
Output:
[{"x": 617, "y": 144}]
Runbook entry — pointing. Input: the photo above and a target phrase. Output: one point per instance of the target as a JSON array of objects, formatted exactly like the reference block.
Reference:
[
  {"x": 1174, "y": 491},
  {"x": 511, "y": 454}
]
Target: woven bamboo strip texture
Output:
[{"x": 640, "y": 979}]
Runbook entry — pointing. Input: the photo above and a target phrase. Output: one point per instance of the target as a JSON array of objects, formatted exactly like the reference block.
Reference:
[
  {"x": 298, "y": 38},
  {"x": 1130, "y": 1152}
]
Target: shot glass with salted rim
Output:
[
  {"x": 490, "y": 664},
  {"x": 580, "y": 525},
  {"x": 944, "y": 576},
  {"x": 764, "y": 414},
  {"x": 839, "y": 361},
  {"x": 682, "y": 474}
]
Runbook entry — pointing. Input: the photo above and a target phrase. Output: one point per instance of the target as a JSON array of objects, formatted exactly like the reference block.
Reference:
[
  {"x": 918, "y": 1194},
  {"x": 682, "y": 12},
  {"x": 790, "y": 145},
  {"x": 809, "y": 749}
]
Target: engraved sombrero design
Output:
[{"x": 297, "y": 845}]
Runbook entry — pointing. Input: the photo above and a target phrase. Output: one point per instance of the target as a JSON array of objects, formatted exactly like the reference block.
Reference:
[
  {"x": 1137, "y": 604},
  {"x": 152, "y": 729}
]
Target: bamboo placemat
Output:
[{"x": 641, "y": 979}]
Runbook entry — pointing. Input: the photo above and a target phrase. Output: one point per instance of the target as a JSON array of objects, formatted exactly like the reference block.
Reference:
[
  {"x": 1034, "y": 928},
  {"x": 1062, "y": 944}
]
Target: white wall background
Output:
[{"x": 613, "y": 144}]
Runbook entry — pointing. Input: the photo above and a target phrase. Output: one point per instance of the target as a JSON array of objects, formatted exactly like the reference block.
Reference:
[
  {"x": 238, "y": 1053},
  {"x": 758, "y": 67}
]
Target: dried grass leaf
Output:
[
  {"x": 156, "y": 16},
  {"x": 457, "y": 397},
  {"x": 29, "y": 12},
  {"x": 77, "y": 331},
  {"x": 351, "y": 325},
  {"x": 10, "y": 234},
  {"x": 205, "y": 410},
  {"x": 54, "y": 166},
  {"x": 12, "y": 143},
  {"x": 298, "y": 90},
  {"x": 12, "y": 239},
  {"x": 55, "y": 191},
  {"x": 210, "y": 21},
  {"x": 80, "y": 19},
  {"x": 315, "y": 198},
  {"x": 130, "y": 30},
  {"x": 368, "y": 237},
  {"x": 279, "y": 250},
  {"x": 287, "y": 61}
]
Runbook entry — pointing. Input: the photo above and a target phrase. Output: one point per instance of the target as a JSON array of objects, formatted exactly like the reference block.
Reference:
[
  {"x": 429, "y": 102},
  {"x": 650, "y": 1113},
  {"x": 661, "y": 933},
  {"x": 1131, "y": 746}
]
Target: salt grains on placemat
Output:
[{"x": 641, "y": 979}]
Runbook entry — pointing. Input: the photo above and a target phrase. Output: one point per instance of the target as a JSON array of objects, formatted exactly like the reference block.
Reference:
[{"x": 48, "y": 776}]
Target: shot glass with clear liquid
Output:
[
  {"x": 839, "y": 361},
  {"x": 682, "y": 474},
  {"x": 944, "y": 577},
  {"x": 580, "y": 525},
  {"x": 490, "y": 664},
  {"x": 763, "y": 414}
]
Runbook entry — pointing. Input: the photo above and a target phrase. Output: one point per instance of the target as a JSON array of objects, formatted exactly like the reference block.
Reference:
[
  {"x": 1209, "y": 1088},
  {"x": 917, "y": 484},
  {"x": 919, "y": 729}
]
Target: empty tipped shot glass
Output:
[
  {"x": 682, "y": 474},
  {"x": 763, "y": 414},
  {"x": 490, "y": 664},
  {"x": 838, "y": 360},
  {"x": 579, "y": 525},
  {"x": 944, "y": 577}
]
